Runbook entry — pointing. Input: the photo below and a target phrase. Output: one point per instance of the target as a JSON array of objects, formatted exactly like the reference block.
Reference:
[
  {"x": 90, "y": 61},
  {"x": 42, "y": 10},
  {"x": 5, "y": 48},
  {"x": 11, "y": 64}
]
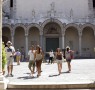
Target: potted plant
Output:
[{"x": 3, "y": 58}]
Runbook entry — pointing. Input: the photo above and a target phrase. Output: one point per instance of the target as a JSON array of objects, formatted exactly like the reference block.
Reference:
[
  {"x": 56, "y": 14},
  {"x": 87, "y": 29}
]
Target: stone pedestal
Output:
[{"x": 3, "y": 82}]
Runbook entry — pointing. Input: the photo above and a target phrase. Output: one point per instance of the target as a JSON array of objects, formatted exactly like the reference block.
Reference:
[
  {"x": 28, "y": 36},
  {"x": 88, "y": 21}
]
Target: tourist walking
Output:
[
  {"x": 69, "y": 57},
  {"x": 59, "y": 60},
  {"x": 10, "y": 52},
  {"x": 51, "y": 56},
  {"x": 38, "y": 58},
  {"x": 22, "y": 54},
  {"x": 31, "y": 65},
  {"x": 18, "y": 56}
]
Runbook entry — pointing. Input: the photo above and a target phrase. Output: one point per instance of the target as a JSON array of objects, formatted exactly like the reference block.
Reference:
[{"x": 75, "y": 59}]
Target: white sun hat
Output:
[
  {"x": 67, "y": 47},
  {"x": 9, "y": 42}
]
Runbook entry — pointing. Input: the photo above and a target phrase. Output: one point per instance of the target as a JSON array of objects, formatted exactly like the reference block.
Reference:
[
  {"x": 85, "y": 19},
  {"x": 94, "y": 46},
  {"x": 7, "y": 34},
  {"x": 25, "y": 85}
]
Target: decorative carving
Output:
[
  {"x": 52, "y": 30},
  {"x": 52, "y": 11}
]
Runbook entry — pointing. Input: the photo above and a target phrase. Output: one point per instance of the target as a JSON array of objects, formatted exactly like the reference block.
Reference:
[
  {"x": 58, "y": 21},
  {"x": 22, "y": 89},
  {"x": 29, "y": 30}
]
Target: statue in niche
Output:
[
  {"x": 52, "y": 6},
  {"x": 33, "y": 15},
  {"x": 71, "y": 14}
]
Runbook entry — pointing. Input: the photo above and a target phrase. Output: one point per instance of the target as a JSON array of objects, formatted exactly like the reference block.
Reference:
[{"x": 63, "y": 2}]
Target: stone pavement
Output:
[{"x": 83, "y": 71}]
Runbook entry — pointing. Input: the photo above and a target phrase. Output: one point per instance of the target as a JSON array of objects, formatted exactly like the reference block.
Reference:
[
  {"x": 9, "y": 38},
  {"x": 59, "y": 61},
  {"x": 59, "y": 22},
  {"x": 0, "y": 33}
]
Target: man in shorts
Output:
[
  {"x": 10, "y": 51},
  {"x": 31, "y": 60}
]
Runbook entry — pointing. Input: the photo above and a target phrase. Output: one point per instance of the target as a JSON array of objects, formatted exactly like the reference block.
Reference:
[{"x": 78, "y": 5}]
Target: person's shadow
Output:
[
  {"x": 27, "y": 77},
  {"x": 58, "y": 74}
]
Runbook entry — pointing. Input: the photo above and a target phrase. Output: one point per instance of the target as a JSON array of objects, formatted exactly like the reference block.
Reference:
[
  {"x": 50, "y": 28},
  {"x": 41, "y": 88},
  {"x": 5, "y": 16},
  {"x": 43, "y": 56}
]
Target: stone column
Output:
[
  {"x": 12, "y": 38},
  {"x": 94, "y": 32},
  {"x": 3, "y": 82},
  {"x": 80, "y": 35},
  {"x": 41, "y": 40},
  {"x": 0, "y": 40},
  {"x": 26, "y": 46},
  {"x": 63, "y": 46}
]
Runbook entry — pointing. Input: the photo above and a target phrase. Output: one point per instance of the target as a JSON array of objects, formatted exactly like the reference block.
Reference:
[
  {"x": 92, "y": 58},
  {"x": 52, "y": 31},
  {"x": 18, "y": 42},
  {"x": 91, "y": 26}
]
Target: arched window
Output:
[
  {"x": 93, "y": 3},
  {"x": 11, "y": 3}
]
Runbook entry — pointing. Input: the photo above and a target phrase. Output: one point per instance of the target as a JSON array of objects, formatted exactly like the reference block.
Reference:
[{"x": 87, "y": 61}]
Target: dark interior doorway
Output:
[{"x": 52, "y": 43}]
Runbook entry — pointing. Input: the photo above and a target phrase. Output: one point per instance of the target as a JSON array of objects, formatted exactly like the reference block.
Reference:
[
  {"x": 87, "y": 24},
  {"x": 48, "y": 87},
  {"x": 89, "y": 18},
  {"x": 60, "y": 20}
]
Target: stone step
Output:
[{"x": 47, "y": 86}]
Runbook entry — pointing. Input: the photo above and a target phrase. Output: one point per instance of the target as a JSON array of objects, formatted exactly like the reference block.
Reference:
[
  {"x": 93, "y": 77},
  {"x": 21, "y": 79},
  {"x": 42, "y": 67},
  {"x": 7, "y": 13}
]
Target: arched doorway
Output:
[
  {"x": 19, "y": 38},
  {"x": 52, "y": 36},
  {"x": 72, "y": 38},
  {"x": 34, "y": 37},
  {"x": 88, "y": 42},
  {"x": 6, "y": 34}
]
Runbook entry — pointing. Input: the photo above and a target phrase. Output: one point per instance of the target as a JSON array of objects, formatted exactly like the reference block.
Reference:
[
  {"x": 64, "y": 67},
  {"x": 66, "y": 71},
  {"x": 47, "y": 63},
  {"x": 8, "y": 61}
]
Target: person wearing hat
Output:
[
  {"x": 69, "y": 57},
  {"x": 10, "y": 51}
]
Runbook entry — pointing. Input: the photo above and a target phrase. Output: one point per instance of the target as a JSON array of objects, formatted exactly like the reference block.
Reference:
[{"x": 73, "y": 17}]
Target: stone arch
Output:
[
  {"x": 72, "y": 25},
  {"x": 34, "y": 25},
  {"x": 88, "y": 25},
  {"x": 19, "y": 25},
  {"x": 7, "y": 33},
  {"x": 71, "y": 36},
  {"x": 19, "y": 36},
  {"x": 34, "y": 32},
  {"x": 52, "y": 30},
  {"x": 88, "y": 40},
  {"x": 8, "y": 26},
  {"x": 54, "y": 21}
]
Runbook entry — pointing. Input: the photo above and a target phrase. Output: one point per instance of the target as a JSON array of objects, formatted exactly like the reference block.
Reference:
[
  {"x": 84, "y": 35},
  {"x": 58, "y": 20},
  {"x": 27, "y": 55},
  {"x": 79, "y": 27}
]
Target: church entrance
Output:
[
  {"x": 52, "y": 43},
  {"x": 52, "y": 33}
]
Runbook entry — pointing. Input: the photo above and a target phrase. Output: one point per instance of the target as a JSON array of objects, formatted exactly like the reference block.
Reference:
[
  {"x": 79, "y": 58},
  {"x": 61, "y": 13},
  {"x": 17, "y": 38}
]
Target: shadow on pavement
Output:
[
  {"x": 26, "y": 77},
  {"x": 65, "y": 72},
  {"x": 27, "y": 73},
  {"x": 54, "y": 75},
  {"x": 58, "y": 74}
]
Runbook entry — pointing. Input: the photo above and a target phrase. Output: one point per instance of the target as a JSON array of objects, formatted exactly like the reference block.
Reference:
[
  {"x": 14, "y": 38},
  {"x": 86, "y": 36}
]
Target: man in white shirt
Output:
[
  {"x": 31, "y": 60},
  {"x": 10, "y": 51},
  {"x": 51, "y": 54}
]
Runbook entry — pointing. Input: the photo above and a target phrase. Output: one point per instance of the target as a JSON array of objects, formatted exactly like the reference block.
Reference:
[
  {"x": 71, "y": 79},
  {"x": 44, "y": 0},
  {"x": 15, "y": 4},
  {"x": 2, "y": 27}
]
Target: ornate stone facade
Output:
[{"x": 43, "y": 27}]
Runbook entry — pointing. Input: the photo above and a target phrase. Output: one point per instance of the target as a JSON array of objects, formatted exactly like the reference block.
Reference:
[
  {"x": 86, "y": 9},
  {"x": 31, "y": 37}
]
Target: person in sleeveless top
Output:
[
  {"x": 59, "y": 60},
  {"x": 69, "y": 57},
  {"x": 38, "y": 57}
]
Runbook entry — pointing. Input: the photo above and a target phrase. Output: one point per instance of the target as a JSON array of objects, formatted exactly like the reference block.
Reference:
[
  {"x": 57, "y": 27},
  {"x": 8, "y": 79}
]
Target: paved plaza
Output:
[{"x": 83, "y": 71}]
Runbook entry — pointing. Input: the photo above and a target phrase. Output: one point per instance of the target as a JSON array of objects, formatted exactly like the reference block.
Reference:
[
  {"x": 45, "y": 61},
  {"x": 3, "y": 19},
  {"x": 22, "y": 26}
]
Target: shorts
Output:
[
  {"x": 68, "y": 60},
  {"x": 59, "y": 61},
  {"x": 10, "y": 61},
  {"x": 31, "y": 64},
  {"x": 18, "y": 58}
]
